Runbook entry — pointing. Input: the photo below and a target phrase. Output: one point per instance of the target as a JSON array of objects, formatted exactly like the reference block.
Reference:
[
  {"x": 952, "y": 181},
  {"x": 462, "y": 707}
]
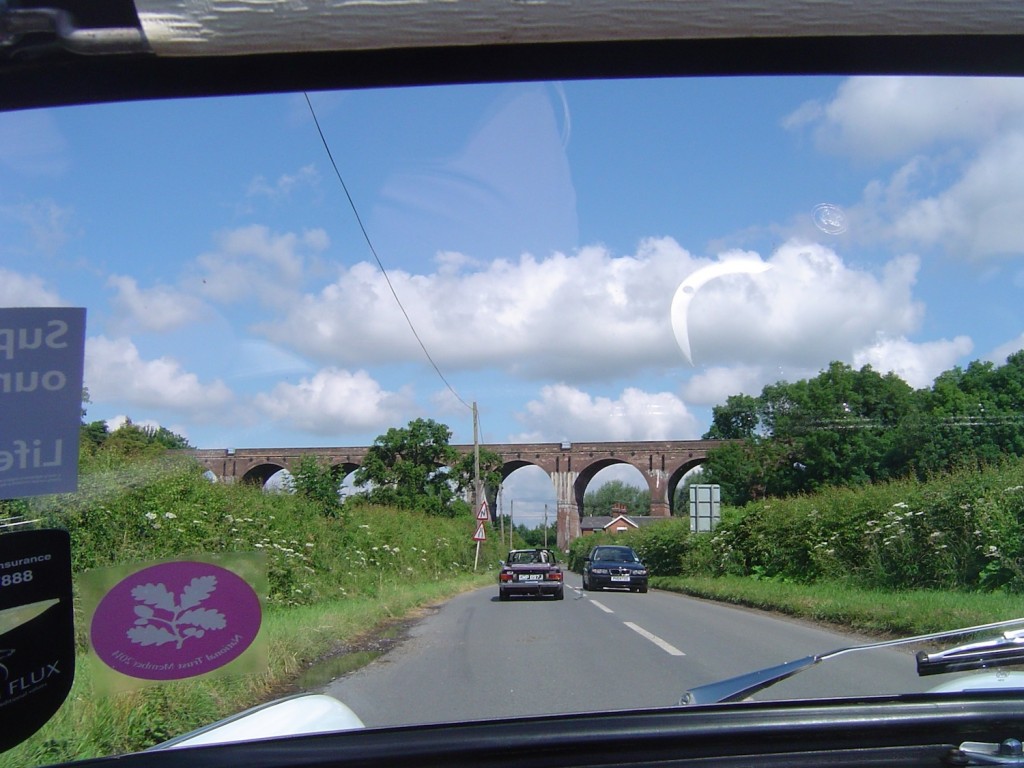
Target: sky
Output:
[{"x": 545, "y": 242}]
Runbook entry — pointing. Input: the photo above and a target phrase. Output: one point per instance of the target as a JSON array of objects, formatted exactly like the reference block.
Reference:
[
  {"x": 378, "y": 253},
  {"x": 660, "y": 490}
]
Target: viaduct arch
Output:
[{"x": 571, "y": 467}]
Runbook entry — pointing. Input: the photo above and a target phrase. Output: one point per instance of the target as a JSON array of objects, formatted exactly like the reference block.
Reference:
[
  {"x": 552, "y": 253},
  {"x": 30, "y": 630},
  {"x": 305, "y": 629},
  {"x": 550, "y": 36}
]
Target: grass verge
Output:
[
  {"x": 89, "y": 725},
  {"x": 873, "y": 611}
]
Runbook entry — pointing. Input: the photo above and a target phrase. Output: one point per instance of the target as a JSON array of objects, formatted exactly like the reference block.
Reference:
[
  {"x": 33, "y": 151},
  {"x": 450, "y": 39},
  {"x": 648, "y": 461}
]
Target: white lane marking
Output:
[
  {"x": 602, "y": 606},
  {"x": 667, "y": 647}
]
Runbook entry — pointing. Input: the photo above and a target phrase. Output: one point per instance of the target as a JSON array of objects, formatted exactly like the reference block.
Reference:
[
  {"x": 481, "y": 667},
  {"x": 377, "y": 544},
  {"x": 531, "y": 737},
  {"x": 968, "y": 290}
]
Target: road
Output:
[{"x": 475, "y": 657}]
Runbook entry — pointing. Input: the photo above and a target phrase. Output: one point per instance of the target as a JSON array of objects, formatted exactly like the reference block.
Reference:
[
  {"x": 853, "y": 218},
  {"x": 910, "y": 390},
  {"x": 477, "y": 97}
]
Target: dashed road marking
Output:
[
  {"x": 665, "y": 646},
  {"x": 602, "y": 606}
]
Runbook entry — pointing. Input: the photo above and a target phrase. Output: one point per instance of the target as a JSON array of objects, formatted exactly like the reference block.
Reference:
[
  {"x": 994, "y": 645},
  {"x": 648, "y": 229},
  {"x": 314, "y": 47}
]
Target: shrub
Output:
[
  {"x": 959, "y": 531},
  {"x": 165, "y": 508}
]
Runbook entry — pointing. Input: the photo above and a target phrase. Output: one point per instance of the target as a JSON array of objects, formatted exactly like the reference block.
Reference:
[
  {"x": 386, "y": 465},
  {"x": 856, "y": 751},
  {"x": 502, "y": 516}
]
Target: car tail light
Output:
[
  {"x": 505, "y": 576},
  {"x": 556, "y": 576}
]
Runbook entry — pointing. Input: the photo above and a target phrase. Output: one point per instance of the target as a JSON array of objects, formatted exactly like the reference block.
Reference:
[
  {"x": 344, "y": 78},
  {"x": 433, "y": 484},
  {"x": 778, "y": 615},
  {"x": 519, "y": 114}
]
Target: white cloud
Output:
[
  {"x": 960, "y": 144},
  {"x": 17, "y": 290},
  {"x": 592, "y": 316},
  {"x": 714, "y": 385},
  {"x": 916, "y": 364},
  {"x": 979, "y": 214},
  {"x": 254, "y": 265},
  {"x": 1003, "y": 351},
  {"x": 524, "y": 495},
  {"x": 335, "y": 402},
  {"x": 891, "y": 117},
  {"x": 567, "y": 413},
  {"x": 558, "y": 316},
  {"x": 155, "y": 309},
  {"x": 116, "y": 372},
  {"x": 809, "y": 309},
  {"x": 47, "y": 225},
  {"x": 284, "y": 185}
]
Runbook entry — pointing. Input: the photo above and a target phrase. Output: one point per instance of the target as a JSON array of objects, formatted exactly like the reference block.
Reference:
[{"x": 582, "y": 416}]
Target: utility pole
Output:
[
  {"x": 476, "y": 458},
  {"x": 501, "y": 513},
  {"x": 545, "y": 526},
  {"x": 476, "y": 481}
]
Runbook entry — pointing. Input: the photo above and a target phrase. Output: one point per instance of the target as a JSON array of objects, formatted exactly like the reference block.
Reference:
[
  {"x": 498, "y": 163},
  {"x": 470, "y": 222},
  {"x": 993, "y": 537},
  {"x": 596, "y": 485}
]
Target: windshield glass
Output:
[{"x": 342, "y": 352}]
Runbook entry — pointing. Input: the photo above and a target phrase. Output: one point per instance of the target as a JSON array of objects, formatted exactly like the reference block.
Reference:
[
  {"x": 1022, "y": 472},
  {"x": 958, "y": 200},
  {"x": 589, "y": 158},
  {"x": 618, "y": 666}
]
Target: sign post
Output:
[{"x": 481, "y": 534}]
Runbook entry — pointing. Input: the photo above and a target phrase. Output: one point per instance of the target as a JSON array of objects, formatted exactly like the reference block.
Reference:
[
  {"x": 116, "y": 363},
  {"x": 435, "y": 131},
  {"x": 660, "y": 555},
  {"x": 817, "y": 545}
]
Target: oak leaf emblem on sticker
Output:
[{"x": 163, "y": 617}]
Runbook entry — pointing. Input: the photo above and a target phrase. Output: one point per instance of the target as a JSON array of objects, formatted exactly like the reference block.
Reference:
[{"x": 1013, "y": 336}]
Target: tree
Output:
[
  {"x": 319, "y": 484},
  {"x": 490, "y": 471},
  {"x": 538, "y": 536},
  {"x": 750, "y": 470},
  {"x": 738, "y": 419},
  {"x": 410, "y": 468},
  {"x": 167, "y": 439},
  {"x": 93, "y": 435},
  {"x": 601, "y": 501}
]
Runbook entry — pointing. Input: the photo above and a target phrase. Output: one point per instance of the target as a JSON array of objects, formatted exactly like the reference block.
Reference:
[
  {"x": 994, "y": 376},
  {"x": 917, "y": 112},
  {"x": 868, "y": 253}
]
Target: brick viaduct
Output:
[{"x": 571, "y": 467}]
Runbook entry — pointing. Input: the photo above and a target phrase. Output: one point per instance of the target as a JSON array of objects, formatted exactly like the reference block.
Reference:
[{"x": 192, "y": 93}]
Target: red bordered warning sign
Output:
[
  {"x": 481, "y": 534},
  {"x": 483, "y": 514}
]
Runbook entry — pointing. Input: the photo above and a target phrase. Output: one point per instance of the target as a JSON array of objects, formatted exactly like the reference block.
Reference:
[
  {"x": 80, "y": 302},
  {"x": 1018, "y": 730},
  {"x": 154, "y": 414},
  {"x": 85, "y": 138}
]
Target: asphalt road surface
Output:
[{"x": 477, "y": 658}]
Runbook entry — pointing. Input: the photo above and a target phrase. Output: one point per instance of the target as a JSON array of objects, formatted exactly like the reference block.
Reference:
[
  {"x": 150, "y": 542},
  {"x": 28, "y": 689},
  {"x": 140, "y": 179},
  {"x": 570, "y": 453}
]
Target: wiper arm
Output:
[
  {"x": 999, "y": 652},
  {"x": 970, "y": 656}
]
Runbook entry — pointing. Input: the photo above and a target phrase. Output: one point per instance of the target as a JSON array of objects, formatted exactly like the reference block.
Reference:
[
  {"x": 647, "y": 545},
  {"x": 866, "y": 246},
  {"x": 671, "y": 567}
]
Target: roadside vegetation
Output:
[
  {"x": 851, "y": 428},
  {"x": 337, "y": 573},
  {"x": 852, "y": 500},
  {"x": 897, "y": 557},
  {"x": 855, "y": 499}
]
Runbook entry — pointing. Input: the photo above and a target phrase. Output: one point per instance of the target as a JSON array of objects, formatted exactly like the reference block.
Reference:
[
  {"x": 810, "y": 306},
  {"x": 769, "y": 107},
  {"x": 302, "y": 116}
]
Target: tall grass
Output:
[
  {"x": 164, "y": 508},
  {"x": 330, "y": 580},
  {"x": 93, "y": 725},
  {"x": 873, "y": 611}
]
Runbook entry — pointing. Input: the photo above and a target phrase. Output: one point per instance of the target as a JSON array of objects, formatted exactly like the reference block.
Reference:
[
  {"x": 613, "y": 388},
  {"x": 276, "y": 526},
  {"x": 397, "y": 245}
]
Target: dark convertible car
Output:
[
  {"x": 614, "y": 566},
  {"x": 530, "y": 572}
]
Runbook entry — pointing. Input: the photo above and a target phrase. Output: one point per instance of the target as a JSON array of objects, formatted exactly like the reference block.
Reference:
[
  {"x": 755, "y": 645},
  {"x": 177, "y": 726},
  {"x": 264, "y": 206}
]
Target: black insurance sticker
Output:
[{"x": 37, "y": 638}]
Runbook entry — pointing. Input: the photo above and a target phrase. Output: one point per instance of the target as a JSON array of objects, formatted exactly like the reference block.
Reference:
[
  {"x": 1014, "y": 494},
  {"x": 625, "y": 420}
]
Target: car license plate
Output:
[
  {"x": 620, "y": 578},
  {"x": 530, "y": 577}
]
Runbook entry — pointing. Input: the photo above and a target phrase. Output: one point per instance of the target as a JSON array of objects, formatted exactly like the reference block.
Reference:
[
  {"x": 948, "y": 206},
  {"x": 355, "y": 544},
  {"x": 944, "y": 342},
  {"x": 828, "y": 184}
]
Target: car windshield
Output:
[
  {"x": 527, "y": 557},
  {"x": 613, "y": 555},
  {"x": 339, "y": 351}
]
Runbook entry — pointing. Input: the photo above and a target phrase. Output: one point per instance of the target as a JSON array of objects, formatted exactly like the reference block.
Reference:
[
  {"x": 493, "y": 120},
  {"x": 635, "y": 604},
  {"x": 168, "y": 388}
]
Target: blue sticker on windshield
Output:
[{"x": 41, "y": 364}]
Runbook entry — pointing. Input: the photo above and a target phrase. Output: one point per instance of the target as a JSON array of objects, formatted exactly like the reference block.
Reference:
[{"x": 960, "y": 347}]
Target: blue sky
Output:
[{"x": 536, "y": 235}]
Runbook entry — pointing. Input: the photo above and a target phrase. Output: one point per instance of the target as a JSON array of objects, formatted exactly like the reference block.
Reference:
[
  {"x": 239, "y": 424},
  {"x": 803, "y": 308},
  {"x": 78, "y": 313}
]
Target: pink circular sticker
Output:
[{"x": 175, "y": 620}]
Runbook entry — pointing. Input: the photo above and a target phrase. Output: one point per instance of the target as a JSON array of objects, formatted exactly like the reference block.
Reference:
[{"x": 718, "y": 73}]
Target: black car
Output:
[{"x": 614, "y": 566}]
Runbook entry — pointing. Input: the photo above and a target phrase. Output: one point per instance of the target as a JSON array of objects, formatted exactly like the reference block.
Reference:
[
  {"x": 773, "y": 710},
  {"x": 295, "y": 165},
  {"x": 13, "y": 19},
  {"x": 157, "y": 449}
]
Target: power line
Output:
[{"x": 369, "y": 243}]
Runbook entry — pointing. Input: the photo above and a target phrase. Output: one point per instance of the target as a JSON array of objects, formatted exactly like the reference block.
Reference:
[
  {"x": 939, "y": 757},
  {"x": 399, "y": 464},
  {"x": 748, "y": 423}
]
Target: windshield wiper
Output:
[
  {"x": 998, "y": 652},
  {"x": 1001, "y": 651}
]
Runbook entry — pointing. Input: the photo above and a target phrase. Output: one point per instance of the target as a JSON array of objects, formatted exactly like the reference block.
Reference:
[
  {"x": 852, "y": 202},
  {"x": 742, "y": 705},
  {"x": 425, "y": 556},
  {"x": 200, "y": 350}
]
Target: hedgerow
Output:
[{"x": 961, "y": 531}]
